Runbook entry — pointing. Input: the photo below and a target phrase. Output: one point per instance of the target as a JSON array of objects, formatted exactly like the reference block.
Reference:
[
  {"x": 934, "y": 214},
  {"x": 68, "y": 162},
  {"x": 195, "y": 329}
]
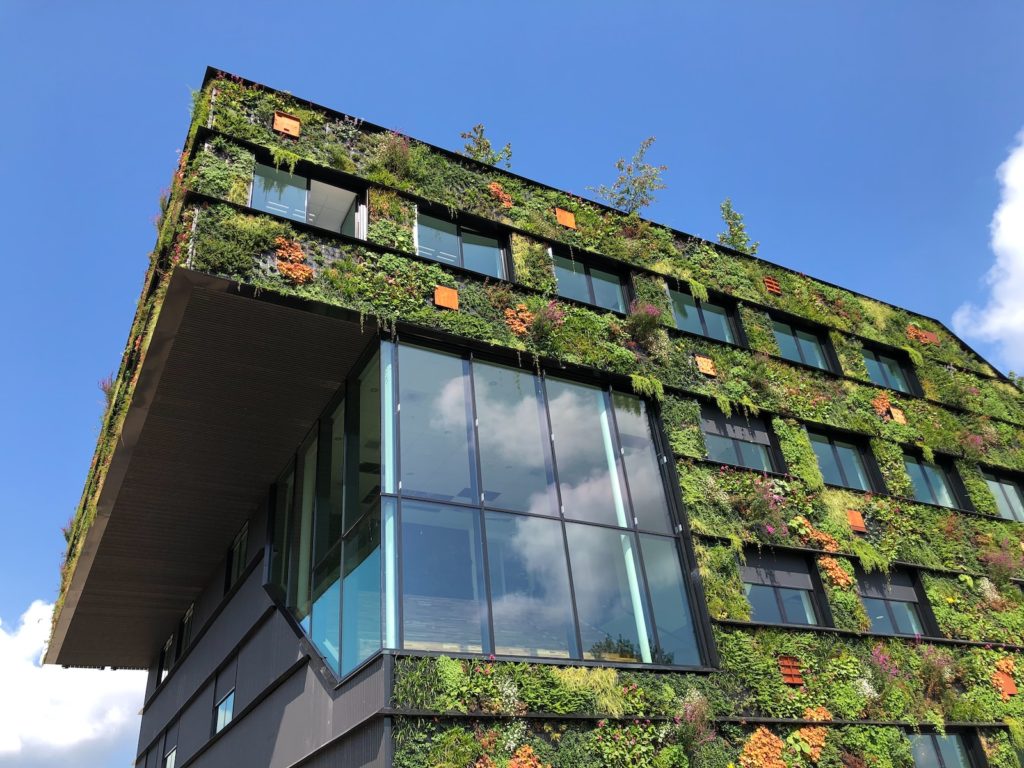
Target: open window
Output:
[
  {"x": 297, "y": 197},
  {"x": 780, "y": 588},
  {"x": 738, "y": 439},
  {"x": 451, "y": 243}
]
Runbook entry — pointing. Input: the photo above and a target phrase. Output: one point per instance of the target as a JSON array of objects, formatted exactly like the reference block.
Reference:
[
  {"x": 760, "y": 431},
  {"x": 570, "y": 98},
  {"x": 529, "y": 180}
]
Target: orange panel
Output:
[
  {"x": 856, "y": 520},
  {"x": 705, "y": 365},
  {"x": 287, "y": 124},
  {"x": 772, "y": 285},
  {"x": 565, "y": 218},
  {"x": 446, "y": 298},
  {"x": 897, "y": 415}
]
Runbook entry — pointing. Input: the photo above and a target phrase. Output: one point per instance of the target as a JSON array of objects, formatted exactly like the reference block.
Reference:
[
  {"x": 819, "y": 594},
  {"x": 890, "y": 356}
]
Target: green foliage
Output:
[
  {"x": 889, "y": 456},
  {"x": 285, "y": 158},
  {"x": 735, "y": 235},
  {"x": 720, "y": 575},
  {"x": 976, "y": 609},
  {"x": 231, "y": 244},
  {"x": 531, "y": 261},
  {"x": 681, "y": 418},
  {"x": 636, "y": 184},
  {"x": 223, "y": 169},
  {"x": 478, "y": 147},
  {"x": 797, "y": 452}
]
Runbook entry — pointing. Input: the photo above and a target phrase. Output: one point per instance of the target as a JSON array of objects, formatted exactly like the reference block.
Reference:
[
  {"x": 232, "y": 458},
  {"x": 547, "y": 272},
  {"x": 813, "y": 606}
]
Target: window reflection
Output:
[{"x": 643, "y": 469}]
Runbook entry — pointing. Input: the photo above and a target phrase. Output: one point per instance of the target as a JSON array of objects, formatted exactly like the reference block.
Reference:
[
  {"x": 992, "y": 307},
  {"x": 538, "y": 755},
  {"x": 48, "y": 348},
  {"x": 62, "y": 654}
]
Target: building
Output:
[{"x": 412, "y": 461}]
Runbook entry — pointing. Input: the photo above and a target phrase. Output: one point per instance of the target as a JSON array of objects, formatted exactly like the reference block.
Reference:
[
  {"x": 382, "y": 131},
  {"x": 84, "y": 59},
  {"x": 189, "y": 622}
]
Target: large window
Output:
[
  {"x": 892, "y": 602},
  {"x": 487, "y": 509},
  {"x": 779, "y": 588},
  {"x": 450, "y": 243},
  {"x": 887, "y": 370},
  {"x": 307, "y": 200},
  {"x": 224, "y": 696},
  {"x": 842, "y": 462},
  {"x": 931, "y": 750},
  {"x": 737, "y": 439},
  {"x": 933, "y": 483},
  {"x": 1008, "y": 495},
  {"x": 702, "y": 317},
  {"x": 801, "y": 345},
  {"x": 583, "y": 282}
]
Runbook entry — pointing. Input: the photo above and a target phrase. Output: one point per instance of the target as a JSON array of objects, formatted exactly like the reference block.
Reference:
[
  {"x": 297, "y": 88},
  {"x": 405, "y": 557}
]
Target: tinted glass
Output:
[
  {"x": 609, "y": 599},
  {"x": 607, "y": 290},
  {"x": 875, "y": 370},
  {"x": 225, "y": 710},
  {"x": 437, "y": 239},
  {"x": 787, "y": 341},
  {"x": 572, "y": 279},
  {"x": 677, "y": 641},
  {"x": 880, "y": 621},
  {"x": 754, "y": 456},
  {"x": 170, "y": 760},
  {"x": 721, "y": 449},
  {"x": 643, "y": 469},
  {"x": 810, "y": 346},
  {"x": 482, "y": 254},
  {"x": 302, "y": 540},
  {"x": 436, "y": 434},
  {"x": 894, "y": 372},
  {"x": 514, "y": 448},
  {"x": 763, "y": 604},
  {"x": 923, "y": 750},
  {"x": 279, "y": 192},
  {"x": 684, "y": 309},
  {"x": 1008, "y": 497},
  {"x": 585, "y": 454},
  {"x": 826, "y": 458},
  {"x": 797, "y": 606},
  {"x": 365, "y": 472},
  {"x": 951, "y": 747},
  {"x": 361, "y": 599},
  {"x": 717, "y": 320},
  {"x": 529, "y": 587},
  {"x": 908, "y": 622},
  {"x": 931, "y": 484},
  {"x": 283, "y": 501},
  {"x": 853, "y": 465},
  {"x": 443, "y": 598}
]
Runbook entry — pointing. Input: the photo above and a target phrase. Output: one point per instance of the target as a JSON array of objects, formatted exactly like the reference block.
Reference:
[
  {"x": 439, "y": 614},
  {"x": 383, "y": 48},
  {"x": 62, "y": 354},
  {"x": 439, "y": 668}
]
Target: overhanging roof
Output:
[{"x": 230, "y": 385}]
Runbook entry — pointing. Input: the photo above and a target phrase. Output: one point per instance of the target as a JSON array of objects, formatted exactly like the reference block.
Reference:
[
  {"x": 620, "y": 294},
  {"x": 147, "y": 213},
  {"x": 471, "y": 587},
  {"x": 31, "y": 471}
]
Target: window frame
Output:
[
  {"x": 968, "y": 740},
  {"x": 779, "y": 557},
  {"x": 901, "y": 359},
  {"x": 876, "y": 483},
  {"x": 356, "y": 186},
  {"x": 777, "y": 464},
  {"x": 474, "y": 225},
  {"x": 961, "y": 500},
  {"x": 588, "y": 265},
  {"x": 820, "y": 334},
  {"x": 224, "y": 687},
  {"x": 884, "y": 589},
  {"x": 725, "y": 302},
  {"x": 1003, "y": 478},
  {"x": 237, "y": 558}
]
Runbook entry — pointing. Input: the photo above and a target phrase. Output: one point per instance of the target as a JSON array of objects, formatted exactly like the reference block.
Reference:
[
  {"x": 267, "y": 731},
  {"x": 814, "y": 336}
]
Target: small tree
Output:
[
  {"x": 735, "y": 235},
  {"x": 638, "y": 180},
  {"x": 479, "y": 147}
]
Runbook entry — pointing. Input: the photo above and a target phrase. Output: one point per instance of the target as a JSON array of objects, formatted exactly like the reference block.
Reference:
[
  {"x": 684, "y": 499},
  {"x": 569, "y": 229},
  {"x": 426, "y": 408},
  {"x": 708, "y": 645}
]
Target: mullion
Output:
[
  {"x": 839, "y": 464},
  {"x": 699, "y": 306},
  {"x": 590, "y": 284},
  {"x": 475, "y": 422}
]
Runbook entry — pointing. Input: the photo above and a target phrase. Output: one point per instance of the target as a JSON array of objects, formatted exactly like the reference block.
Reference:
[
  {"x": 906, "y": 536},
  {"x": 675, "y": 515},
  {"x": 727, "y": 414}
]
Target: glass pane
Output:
[
  {"x": 951, "y": 747},
  {"x": 329, "y": 508},
  {"x": 755, "y": 456},
  {"x": 515, "y": 461},
  {"x": 437, "y": 239},
  {"x": 443, "y": 600},
  {"x": 942, "y": 491},
  {"x": 721, "y": 449},
  {"x": 826, "y": 458},
  {"x": 786, "y": 340},
  {"x": 585, "y": 454},
  {"x": 482, "y": 254},
  {"x": 875, "y": 371},
  {"x": 365, "y": 473},
  {"x": 225, "y": 711},
  {"x": 330, "y": 206},
  {"x": 717, "y": 320},
  {"x": 169, "y": 761},
  {"x": 436, "y": 433},
  {"x": 572, "y": 279},
  {"x": 643, "y": 469},
  {"x": 530, "y": 595},
  {"x": 671, "y": 607},
  {"x": 684, "y": 309},
  {"x": 923, "y": 751},
  {"x": 797, "y": 606},
  {"x": 279, "y": 192},
  {"x": 908, "y": 622},
  {"x": 897, "y": 379},
  {"x": 916, "y": 472},
  {"x": 810, "y": 345},
  {"x": 282, "y": 520},
  {"x": 853, "y": 465},
  {"x": 361, "y": 605},
  {"x": 607, "y": 290},
  {"x": 609, "y": 602},
  {"x": 302, "y": 540},
  {"x": 1002, "y": 502},
  {"x": 880, "y": 621},
  {"x": 763, "y": 605},
  {"x": 326, "y": 609}
]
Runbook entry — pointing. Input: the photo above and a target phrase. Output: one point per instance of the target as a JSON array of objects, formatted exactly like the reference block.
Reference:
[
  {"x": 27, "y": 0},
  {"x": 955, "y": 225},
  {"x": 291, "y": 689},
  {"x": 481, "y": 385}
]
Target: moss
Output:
[
  {"x": 532, "y": 264},
  {"x": 758, "y": 329},
  {"x": 797, "y": 452},
  {"x": 889, "y": 456},
  {"x": 977, "y": 488},
  {"x": 682, "y": 423},
  {"x": 720, "y": 575}
]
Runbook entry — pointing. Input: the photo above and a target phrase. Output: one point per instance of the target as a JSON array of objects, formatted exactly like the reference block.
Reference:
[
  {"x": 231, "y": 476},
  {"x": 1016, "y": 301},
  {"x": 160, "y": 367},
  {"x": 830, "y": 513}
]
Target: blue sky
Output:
[{"x": 861, "y": 146}]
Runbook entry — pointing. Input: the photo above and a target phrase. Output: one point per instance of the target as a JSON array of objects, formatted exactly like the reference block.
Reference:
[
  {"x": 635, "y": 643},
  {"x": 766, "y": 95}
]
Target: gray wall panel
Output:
[
  {"x": 365, "y": 747},
  {"x": 361, "y": 696}
]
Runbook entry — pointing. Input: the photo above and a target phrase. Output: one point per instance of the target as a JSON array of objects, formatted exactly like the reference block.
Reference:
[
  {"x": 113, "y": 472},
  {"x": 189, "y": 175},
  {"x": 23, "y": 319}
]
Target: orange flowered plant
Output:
[
  {"x": 762, "y": 750},
  {"x": 500, "y": 194},
  {"x": 882, "y": 406},
  {"x": 519, "y": 319},
  {"x": 525, "y": 757},
  {"x": 802, "y": 527},
  {"x": 813, "y": 735},
  {"x": 291, "y": 261},
  {"x": 835, "y": 573}
]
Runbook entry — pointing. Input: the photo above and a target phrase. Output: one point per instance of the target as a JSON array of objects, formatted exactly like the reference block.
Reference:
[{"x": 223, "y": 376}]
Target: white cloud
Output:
[
  {"x": 50, "y": 716},
  {"x": 1001, "y": 320}
]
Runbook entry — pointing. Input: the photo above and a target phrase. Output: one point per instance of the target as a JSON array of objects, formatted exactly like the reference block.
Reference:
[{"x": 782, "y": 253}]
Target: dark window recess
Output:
[
  {"x": 224, "y": 696},
  {"x": 737, "y": 439},
  {"x": 449, "y": 243},
  {"x": 934, "y": 483},
  {"x": 307, "y": 200},
  {"x": 170, "y": 750},
  {"x": 802, "y": 345},
  {"x": 1008, "y": 495},
  {"x": 185, "y": 630},
  {"x": 893, "y": 603},
  {"x": 930, "y": 750},
  {"x": 582, "y": 282},
  {"x": 843, "y": 462},
  {"x": 887, "y": 370},
  {"x": 237, "y": 556},
  {"x": 716, "y": 321},
  {"x": 167, "y": 659},
  {"x": 779, "y": 588}
]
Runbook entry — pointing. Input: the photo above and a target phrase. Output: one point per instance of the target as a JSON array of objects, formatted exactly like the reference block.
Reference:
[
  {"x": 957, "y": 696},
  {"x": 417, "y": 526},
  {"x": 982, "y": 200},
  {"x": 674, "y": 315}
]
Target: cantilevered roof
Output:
[{"x": 231, "y": 384}]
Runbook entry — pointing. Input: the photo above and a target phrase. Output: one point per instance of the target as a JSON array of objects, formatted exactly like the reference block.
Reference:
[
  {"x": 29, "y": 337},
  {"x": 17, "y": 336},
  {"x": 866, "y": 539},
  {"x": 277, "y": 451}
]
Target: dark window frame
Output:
[
  {"x": 474, "y": 225},
  {"x": 968, "y": 739},
  {"x": 185, "y": 627},
  {"x": 224, "y": 686},
  {"x": 956, "y": 484},
  {"x": 588, "y": 265},
  {"x": 816, "y": 590},
  {"x": 1003, "y": 477},
  {"x": 902, "y": 359},
  {"x": 821, "y": 335},
  {"x": 775, "y": 459},
  {"x": 723, "y": 301},
  {"x": 874, "y": 476},
  {"x": 357, "y": 187},
  {"x": 237, "y": 557},
  {"x": 883, "y": 589}
]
